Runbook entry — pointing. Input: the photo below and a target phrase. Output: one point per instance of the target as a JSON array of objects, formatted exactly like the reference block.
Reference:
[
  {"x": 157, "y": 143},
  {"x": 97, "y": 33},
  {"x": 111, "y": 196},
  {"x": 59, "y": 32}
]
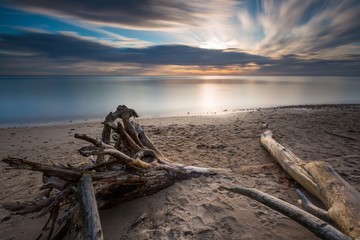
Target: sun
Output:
[
  {"x": 212, "y": 45},
  {"x": 216, "y": 44}
]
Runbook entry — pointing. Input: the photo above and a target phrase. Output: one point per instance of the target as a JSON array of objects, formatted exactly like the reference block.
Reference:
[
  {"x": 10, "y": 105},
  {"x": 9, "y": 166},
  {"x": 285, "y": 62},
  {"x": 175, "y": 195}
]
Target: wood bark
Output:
[{"x": 319, "y": 178}]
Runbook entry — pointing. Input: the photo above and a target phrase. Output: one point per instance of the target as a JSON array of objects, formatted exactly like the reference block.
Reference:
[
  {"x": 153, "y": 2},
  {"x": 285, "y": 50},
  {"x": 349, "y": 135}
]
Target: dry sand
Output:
[{"x": 196, "y": 209}]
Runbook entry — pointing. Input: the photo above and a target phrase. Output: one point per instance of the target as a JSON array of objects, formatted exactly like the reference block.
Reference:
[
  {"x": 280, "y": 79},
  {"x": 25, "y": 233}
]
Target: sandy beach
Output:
[{"x": 196, "y": 209}]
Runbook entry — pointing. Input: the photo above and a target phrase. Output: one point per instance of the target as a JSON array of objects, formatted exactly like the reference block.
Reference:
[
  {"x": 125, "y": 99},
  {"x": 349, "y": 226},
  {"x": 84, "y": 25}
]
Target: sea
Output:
[{"x": 29, "y": 100}]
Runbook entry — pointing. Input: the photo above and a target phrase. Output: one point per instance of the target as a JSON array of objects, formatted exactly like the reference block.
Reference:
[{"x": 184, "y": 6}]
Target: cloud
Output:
[
  {"x": 47, "y": 53},
  {"x": 139, "y": 14},
  {"x": 73, "y": 47},
  {"x": 117, "y": 39},
  {"x": 293, "y": 66},
  {"x": 235, "y": 69},
  {"x": 308, "y": 28},
  {"x": 117, "y": 42},
  {"x": 311, "y": 29}
]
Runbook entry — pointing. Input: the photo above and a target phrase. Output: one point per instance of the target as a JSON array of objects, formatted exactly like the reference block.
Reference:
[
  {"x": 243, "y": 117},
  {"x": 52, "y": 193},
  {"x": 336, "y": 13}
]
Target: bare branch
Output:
[{"x": 68, "y": 174}]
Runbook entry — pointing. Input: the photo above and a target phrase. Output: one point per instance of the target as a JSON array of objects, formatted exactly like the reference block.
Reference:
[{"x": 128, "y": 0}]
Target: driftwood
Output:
[
  {"x": 90, "y": 215},
  {"x": 314, "y": 224},
  {"x": 311, "y": 208},
  {"x": 319, "y": 178},
  {"x": 127, "y": 167}
]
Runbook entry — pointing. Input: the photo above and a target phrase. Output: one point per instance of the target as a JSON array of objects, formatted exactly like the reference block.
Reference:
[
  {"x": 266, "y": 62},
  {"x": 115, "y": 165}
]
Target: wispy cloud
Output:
[
  {"x": 139, "y": 14},
  {"x": 308, "y": 28},
  {"x": 114, "y": 39}
]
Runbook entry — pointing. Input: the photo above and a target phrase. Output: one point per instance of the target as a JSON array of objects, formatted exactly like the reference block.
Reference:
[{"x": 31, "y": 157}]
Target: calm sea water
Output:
[{"x": 46, "y": 99}]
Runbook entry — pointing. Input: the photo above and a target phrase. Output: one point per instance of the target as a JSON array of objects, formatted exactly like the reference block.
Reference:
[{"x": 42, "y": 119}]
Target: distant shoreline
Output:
[{"x": 316, "y": 106}]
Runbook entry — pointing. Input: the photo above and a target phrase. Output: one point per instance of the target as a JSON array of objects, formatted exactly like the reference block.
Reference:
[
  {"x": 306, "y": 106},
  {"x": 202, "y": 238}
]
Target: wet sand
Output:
[{"x": 196, "y": 209}]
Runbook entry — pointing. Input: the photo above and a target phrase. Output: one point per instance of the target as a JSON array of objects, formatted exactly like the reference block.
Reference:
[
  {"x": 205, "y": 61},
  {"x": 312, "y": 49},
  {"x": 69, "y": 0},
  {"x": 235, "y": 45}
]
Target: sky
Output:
[{"x": 180, "y": 37}]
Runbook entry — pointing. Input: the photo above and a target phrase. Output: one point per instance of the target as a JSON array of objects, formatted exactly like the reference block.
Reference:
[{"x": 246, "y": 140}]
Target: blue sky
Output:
[{"x": 161, "y": 37}]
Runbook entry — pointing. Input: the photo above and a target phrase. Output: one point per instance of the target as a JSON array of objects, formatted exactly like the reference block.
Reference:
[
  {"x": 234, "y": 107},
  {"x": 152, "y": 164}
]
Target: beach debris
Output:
[
  {"x": 89, "y": 211},
  {"x": 124, "y": 165},
  {"x": 139, "y": 219},
  {"x": 314, "y": 224},
  {"x": 340, "y": 198}
]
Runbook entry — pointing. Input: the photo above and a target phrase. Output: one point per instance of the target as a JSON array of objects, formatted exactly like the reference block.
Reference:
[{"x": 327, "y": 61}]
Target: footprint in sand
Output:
[
  {"x": 196, "y": 223},
  {"x": 205, "y": 234}
]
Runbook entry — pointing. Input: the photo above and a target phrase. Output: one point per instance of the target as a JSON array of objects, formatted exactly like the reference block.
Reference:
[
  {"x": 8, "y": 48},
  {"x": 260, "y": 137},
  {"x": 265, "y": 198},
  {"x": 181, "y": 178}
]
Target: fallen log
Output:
[
  {"x": 126, "y": 167},
  {"x": 319, "y": 178},
  {"x": 89, "y": 210},
  {"x": 314, "y": 224}
]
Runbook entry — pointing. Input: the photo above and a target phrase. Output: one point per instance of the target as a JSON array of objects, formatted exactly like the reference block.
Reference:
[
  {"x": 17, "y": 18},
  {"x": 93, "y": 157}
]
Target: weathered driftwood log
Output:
[
  {"x": 127, "y": 167},
  {"x": 319, "y": 178},
  {"x": 314, "y": 224},
  {"x": 89, "y": 210}
]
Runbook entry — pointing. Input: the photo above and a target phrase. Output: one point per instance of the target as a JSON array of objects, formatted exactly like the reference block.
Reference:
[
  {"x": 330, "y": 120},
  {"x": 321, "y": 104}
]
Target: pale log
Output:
[{"x": 289, "y": 162}]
